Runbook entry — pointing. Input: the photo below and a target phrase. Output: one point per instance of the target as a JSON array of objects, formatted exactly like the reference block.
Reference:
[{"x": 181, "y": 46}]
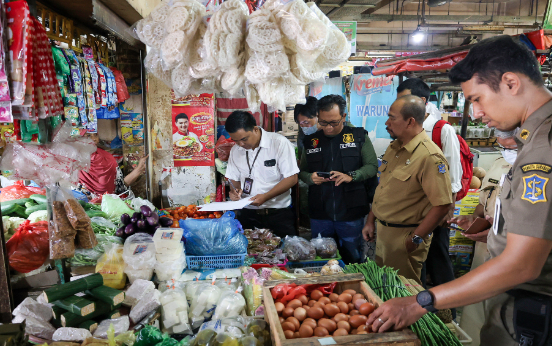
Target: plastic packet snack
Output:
[
  {"x": 111, "y": 265},
  {"x": 61, "y": 246},
  {"x": 120, "y": 326},
  {"x": 76, "y": 214},
  {"x": 39, "y": 328},
  {"x": 31, "y": 308},
  {"x": 325, "y": 247},
  {"x": 139, "y": 289},
  {"x": 71, "y": 334},
  {"x": 252, "y": 290},
  {"x": 230, "y": 304},
  {"x": 299, "y": 249},
  {"x": 144, "y": 306}
]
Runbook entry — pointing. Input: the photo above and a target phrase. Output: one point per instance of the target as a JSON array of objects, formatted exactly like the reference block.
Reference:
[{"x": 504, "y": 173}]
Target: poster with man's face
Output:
[{"x": 193, "y": 137}]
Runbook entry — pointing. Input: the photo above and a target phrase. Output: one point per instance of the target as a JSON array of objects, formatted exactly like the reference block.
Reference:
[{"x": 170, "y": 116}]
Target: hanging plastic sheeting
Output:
[{"x": 412, "y": 65}]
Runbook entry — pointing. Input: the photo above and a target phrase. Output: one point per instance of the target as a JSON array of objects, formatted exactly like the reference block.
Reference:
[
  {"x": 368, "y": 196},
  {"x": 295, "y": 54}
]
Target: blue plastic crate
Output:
[
  {"x": 314, "y": 266},
  {"x": 215, "y": 262}
]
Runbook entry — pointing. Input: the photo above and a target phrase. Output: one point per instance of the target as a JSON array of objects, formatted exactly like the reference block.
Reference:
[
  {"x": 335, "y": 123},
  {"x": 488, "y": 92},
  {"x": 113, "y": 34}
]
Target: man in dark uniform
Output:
[
  {"x": 501, "y": 77},
  {"x": 338, "y": 203}
]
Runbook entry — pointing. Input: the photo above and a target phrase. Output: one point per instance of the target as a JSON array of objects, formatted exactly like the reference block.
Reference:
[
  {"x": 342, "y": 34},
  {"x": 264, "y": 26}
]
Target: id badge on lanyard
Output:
[
  {"x": 498, "y": 207},
  {"x": 248, "y": 183}
]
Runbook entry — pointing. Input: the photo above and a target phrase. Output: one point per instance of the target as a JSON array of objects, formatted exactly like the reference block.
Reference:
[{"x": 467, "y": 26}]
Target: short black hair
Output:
[
  {"x": 413, "y": 107},
  {"x": 327, "y": 103},
  {"x": 493, "y": 57},
  {"x": 308, "y": 109},
  {"x": 181, "y": 116},
  {"x": 416, "y": 86},
  {"x": 240, "y": 120}
]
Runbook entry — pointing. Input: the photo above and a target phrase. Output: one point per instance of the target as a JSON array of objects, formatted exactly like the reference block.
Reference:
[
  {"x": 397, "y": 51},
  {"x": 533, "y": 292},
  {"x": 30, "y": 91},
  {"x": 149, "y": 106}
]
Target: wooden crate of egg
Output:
[{"x": 339, "y": 317}]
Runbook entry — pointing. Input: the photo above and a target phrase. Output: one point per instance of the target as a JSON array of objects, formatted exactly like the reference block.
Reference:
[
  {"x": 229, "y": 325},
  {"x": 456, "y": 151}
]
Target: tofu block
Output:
[{"x": 167, "y": 239}]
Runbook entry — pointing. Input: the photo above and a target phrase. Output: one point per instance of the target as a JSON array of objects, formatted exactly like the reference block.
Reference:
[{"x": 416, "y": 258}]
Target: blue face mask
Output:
[{"x": 309, "y": 130}]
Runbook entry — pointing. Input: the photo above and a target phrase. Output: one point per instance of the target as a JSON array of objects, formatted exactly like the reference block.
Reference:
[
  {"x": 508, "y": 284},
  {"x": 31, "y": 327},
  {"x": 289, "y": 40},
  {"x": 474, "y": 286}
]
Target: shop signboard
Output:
[
  {"x": 350, "y": 31},
  {"x": 370, "y": 100},
  {"x": 328, "y": 87},
  {"x": 193, "y": 131}
]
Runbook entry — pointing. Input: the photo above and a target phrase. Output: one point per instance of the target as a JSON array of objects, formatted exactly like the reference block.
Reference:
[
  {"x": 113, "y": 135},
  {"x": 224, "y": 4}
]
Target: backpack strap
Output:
[{"x": 436, "y": 134}]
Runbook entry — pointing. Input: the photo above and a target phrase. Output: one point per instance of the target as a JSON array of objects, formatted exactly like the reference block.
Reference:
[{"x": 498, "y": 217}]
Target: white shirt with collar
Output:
[
  {"x": 273, "y": 146},
  {"x": 450, "y": 146}
]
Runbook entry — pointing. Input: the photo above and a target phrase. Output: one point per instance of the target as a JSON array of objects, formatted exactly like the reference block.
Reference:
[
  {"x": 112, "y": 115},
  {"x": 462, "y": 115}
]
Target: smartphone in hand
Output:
[{"x": 326, "y": 175}]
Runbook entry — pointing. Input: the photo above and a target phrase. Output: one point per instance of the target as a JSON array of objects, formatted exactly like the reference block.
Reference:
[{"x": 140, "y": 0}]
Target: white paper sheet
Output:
[{"x": 220, "y": 206}]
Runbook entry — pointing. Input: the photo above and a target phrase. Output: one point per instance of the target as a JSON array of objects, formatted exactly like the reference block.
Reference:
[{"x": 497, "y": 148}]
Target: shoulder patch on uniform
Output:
[
  {"x": 493, "y": 181},
  {"x": 536, "y": 167},
  {"x": 534, "y": 188},
  {"x": 441, "y": 167},
  {"x": 524, "y": 134}
]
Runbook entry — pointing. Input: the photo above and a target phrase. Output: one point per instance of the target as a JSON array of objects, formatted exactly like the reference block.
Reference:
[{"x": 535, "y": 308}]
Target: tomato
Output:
[
  {"x": 195, "y": 216},
  {"x": 211, "y": 216},
  {"x": 202, "y": 217}
]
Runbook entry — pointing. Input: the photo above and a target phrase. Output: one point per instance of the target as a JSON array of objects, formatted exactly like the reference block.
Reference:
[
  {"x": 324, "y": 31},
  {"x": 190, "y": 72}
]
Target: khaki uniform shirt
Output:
[
  {"x": 490, "y": 187},
  {"x": 413, "y": 179},
  {"x": 526, "y": 196}
]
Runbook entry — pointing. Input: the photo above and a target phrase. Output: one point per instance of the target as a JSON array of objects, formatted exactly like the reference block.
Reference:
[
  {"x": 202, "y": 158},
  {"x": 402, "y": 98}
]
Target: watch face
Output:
[
  {"x": 417, "y": 239},
  {"x": 424, "y": 298}
]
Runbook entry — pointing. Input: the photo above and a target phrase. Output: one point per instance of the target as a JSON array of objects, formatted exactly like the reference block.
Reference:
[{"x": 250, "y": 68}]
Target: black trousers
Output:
[
  {"x": 280, "y": 221},
  {"x": 438, "y": 263}
]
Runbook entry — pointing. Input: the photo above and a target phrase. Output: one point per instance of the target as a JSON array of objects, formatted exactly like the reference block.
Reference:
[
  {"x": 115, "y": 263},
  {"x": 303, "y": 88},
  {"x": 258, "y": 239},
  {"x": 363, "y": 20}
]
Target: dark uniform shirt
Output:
[{"x": 526, "y": 193}]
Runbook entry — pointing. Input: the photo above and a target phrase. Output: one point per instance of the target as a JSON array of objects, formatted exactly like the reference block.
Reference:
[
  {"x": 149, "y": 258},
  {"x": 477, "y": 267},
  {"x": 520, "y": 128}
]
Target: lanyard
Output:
[{"x": 255, "y": 159}]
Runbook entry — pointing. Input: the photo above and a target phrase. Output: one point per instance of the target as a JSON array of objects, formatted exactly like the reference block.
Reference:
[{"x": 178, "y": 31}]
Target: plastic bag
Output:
[
  {"x": 144, "y": 306},
  {"x": 120, "y": 325},
  {"x": 174, "y": 310},
  {"x": 122, "y": 91},
  {"x": 252, "y": 290},
  {"x": 87, "y": 257},
  {"x": 139, "y": 289},
  {"x": 111, "y": 265},
  {"x": 31, "y": 308},
  {"x": 28, "y": 248},
  {"x": 137, "y": 202},
  {"x": 148, "y": 336},
  {"x": 39, "y": 328},
  {"x": 299, "y": 249},
  {"x": 166, "y": 271},
  {"x": 18, "y": 191},
  {"x": 139, "y": 256},
  {"x": 285, "y": 293},
  {"x": 223, "y": 147},
  {"x": 114, "y": 207},
  {"x": 325, "y": 247},
  {"x": 214, "y": 236},
  {"x": 71, "y": 334},
  {"x": 230, "y": 304},
  {"x": 80, "y": 221},
  {"x": 204, "y": 304}
]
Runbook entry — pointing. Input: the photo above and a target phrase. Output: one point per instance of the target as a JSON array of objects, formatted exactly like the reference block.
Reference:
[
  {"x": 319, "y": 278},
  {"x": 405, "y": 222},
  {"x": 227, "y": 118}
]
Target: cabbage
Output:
[
  {"x": 40, "y": 215},
  {"x": 114, "y": 207},
  {"x": 14, "y": 223},
  {"x": 6, "y": 223}
]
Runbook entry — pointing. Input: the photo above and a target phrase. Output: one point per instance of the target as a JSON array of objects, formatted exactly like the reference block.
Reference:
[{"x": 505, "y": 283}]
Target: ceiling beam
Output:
[
  {"x": 379, "y": 5},
  {"x": 449, "y": 18}
]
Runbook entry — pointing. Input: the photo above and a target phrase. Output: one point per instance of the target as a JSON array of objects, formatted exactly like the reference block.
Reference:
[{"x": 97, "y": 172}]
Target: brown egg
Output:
[
  {"x": 306, "y": 307},
  {"x": 296, "y": 335},
  {"x": 315, "y": 312},
  {"x": 294, "y": 321},
  {"x": 324, "y": 300},
  {"x": 359, "y": 302},
  {"x": 344, "y": 325},
  {"x": 345, "y": 297},
  {"x": 340, "y": 332},
  {"x": 333, "y": 297},
  {"x": 343, "y": 307},
  {"x": 321, "y": 331},
  {"x": 294, "y": 304},
  {"x": 287, "y": 312},
  {"x": 310, "y": 322},
  {"x": 351, "y": 306},
  {"x": 306, "y": 331},
  {"x": 354, "y": 332},
  {"x": 319, "y": 305},
  {"x": 300, "y": 314},
  {"x": 366, "y": 309},
  {"x": 354, "y": 312},
  {"x": 304, "y": 300},
  {"x": 331, "y": 310},
  {"x": 288, "y": 326},
  {"x": 330, "y": 325},
  {"x": 341, "y": 317},
  {"x": 312, "y": 302},
  {"x": 357, "y": 296},
  {"x": 358, "y": 320},
  {"x": 362, "y": 328},
  {"x": 288, "y": 334},
  {"x": 316, "y": 295},
  {"x": 282, "y": 320},
  {"x": 362, "y": 332},
  {"x": 279, "y": 307},
  {"x": 351, "y": 292}
]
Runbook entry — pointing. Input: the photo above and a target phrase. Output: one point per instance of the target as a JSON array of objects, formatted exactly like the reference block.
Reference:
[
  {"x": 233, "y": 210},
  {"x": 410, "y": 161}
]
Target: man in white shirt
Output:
[
  {"x": 262, "y": 167},
  {"x": 438, "y": 263},
  {"x": 183, "y": 124}
]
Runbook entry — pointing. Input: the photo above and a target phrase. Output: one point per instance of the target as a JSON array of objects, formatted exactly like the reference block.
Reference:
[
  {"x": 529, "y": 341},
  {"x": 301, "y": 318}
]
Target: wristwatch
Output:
[
  {"x": 352, "y": 174},
  {"x": 416, "y": 239},
  {"x": 426, "y": 300}
]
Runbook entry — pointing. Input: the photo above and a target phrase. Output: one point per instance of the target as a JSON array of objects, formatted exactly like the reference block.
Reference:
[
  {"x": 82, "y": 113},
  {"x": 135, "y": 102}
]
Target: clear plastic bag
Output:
[
  {"x": 299, "y": 249},
  {"x": 85, "y": 257},
  {"x": 114, "y": 207},
  {"x": 31, "y": 308},
  {"x": 232, "y": 326},
  {"x": 230, "y": 304},
  {"x": 166, "y": 271},
  {"x": 174, "y": 310},
  {"x": 139, "y": 289},
  {"x": 137, "y": 202},
  {"x": 139, "y": 256},
  {"x": 204, "y": 304},
  {"x": 120, "y": 325},
  {"x": 39, "y": 328},
  {"x": 144, "y": 306},
  {"x": 252, "y": 290},
  {"x": 325, "y": 247},
  {"x": 214, "y": 236},
  {"x": 111, "y": 265},
  {"x": 71, "y": 334}
]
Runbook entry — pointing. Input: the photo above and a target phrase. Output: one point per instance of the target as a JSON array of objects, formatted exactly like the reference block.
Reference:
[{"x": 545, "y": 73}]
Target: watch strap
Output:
[{"x": 426, "y": 300}]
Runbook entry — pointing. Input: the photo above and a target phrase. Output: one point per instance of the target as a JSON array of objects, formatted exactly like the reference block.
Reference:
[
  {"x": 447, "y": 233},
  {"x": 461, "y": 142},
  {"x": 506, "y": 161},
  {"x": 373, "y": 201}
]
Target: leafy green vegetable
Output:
[
  {"x": 114, "y": 207},
  {"x": 89, "y": 257},
  {"x": 101, "y": 225},
  {"x": 41, "y": 215}
]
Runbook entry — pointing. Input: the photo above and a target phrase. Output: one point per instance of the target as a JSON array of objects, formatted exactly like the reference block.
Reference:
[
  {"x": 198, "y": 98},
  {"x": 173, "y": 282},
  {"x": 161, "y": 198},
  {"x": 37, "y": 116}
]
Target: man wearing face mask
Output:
[
  {"x": 473, "y": 316},
  {"x": 335, "y": 163},
  {"x": 307, "y": 117}
]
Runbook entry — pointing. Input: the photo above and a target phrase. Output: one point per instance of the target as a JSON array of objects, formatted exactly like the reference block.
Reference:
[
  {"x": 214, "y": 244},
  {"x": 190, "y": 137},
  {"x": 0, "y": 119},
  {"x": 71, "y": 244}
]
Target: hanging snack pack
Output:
[
  {"x": 62, "y": 233},
  {"x": 111, "y": 265}
]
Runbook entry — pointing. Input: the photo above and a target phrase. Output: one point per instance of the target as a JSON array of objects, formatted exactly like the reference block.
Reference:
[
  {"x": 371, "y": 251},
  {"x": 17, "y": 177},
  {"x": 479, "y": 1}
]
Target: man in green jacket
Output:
[{"x": 336, "y": 162}]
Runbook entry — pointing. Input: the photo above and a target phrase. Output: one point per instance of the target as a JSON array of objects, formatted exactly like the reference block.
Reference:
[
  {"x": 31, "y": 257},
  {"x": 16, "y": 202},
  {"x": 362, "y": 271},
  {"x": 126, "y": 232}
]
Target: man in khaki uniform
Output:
[
  {"x": 414, "y": 192},
  {"x": 507, "y": 91}
]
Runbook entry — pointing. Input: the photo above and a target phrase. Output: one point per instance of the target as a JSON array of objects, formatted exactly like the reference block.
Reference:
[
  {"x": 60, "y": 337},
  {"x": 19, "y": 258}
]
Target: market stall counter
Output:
[{"x": 343, "y": 285}]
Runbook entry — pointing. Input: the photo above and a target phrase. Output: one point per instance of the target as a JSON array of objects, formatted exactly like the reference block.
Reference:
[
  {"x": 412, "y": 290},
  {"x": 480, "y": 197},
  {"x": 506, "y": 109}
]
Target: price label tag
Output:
[{"x": 327, "y": 341}]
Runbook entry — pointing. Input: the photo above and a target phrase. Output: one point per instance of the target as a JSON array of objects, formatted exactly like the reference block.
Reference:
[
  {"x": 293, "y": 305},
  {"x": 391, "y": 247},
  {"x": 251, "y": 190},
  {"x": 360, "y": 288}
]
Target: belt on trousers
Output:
[
  {"x": 396, "y": 225},
  {"x": 266, "y": 211}
]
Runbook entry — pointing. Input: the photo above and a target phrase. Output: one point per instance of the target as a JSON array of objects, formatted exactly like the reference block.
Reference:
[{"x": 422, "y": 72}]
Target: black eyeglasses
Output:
[{"x": 331, "y": 123}]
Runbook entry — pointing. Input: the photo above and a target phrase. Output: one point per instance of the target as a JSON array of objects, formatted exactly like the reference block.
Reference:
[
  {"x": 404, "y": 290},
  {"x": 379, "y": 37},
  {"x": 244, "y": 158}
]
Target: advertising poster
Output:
[
  {"x": 350, "y": 31},
  {"x": 126, "y": 128},
  {"x": 328, "y": 87},
  {"x": 371, "y": 98},
  {"x": 193, "y": 128}
]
